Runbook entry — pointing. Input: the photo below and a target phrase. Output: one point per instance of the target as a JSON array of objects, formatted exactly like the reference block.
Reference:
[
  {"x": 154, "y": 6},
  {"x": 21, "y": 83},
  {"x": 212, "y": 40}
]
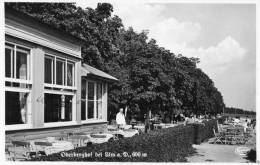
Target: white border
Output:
[{"x": 2, "y": 155}]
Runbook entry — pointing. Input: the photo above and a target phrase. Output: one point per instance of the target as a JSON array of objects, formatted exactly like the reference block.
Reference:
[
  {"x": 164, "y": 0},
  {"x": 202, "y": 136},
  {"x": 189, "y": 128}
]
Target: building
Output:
[{"x": 47, "y": 88}]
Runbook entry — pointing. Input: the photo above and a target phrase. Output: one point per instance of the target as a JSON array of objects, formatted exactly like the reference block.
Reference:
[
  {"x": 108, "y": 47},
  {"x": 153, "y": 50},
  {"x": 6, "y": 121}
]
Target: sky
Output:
[{"x": 223, "y": 36}]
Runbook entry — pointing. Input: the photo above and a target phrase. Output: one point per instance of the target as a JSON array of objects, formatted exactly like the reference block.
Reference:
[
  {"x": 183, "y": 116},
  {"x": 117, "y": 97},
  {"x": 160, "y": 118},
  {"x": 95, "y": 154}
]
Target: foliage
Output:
[
  {"x": 151, "y": 78},
  {"x": 160, "y": 146},
  {"x": 251, "y": 155},
  {"x": 204, "y": 131},
  {"x": 233, "y": 110},
  {"x": 164, "y": 145}
]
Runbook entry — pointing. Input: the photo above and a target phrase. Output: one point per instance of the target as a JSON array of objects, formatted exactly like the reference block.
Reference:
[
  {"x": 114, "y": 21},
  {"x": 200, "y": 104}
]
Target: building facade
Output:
[{"x": 47, "y": 88}]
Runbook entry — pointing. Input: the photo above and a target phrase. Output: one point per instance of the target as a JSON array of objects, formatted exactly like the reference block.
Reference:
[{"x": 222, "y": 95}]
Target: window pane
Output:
[
  {"x": 48, "y": 70},
  {"x": 57, "y": 108},
  {"x": 8, "y": 56},
  {"x": 83, "y": 99},
  {"x": 59, "y": 72},
  {"x": 68, "y": 108},
  {"x": 99, "y": 91},
  {"x": 99, "y": 109},
  {"x": 21, "y": 65},
  {"x": 90, "y": 91},
  {"x": 52, "y": 107},
  {"x": 70, "y": 74},
  {"x": 15, "y": 108},
  {"x": 90, "y": 109}
]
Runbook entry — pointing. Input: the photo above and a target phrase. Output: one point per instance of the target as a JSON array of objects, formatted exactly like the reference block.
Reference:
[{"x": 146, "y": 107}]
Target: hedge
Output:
[
  {"x": 163, "y": 145},
  {"x": 251, "y": 155},
  {"x": 204, "y": 130}
]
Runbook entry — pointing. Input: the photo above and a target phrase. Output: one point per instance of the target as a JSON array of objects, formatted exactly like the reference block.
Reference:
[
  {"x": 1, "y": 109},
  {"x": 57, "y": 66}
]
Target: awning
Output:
[{"x": 89, "y": 71}]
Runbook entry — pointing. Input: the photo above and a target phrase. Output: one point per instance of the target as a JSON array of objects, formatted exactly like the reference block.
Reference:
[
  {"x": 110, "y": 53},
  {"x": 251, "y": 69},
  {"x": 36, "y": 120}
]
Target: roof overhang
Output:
[{"x": 93, "y": 73}]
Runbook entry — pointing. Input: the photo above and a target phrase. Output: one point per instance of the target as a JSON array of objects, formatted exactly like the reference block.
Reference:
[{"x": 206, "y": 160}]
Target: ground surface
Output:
[{"x": 216, "y": 153}]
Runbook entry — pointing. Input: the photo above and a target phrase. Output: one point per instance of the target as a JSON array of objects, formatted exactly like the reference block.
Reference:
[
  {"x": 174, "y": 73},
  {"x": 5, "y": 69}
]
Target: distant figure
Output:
[
  {"x": 248, "y": 121},
  {"x": 120, "y": 118},
  {"x": 236, "y": 120}
]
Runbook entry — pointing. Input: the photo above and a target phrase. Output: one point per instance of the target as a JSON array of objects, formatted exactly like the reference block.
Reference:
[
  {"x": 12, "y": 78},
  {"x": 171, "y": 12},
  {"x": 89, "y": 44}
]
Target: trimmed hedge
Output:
[
  {"x": 204, "y": 130},
  {"x": 163, "y": 145},
  {"x": 251, "y": 155}
]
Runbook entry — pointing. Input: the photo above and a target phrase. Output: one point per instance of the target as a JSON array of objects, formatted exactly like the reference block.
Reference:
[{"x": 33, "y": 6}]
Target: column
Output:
[{"x": 37, "y": 87}]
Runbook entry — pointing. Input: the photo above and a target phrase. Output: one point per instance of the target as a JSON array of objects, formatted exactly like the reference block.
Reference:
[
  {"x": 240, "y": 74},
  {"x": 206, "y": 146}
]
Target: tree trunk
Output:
[{"x": 147, "y": 121}]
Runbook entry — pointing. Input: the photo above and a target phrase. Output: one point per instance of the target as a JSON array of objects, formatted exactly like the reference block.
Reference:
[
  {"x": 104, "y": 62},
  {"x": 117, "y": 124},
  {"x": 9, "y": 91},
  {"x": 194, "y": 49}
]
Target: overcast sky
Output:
[{"x": 223, "y": 36}]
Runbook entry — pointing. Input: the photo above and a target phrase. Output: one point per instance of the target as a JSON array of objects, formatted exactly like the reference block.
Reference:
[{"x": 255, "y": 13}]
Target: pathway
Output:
[{"x": 216, "y": 153}]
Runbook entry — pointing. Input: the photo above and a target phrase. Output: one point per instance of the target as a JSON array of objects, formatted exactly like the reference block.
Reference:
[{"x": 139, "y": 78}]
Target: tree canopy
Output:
[{"x": 150, "y": 77}]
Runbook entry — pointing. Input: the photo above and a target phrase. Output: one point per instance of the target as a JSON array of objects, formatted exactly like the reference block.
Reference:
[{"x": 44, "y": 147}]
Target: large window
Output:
[
  {"x": 17, "y": 84},
  {"x": 59, "y": 71},
  {"x": 58, "y": 108},
  {"x": 91, "y": 96},
  {"x": 59, "y": 89}
]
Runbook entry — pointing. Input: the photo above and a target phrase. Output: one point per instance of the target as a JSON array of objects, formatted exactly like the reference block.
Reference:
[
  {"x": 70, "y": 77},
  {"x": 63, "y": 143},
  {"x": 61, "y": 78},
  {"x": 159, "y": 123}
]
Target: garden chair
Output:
[
  {"x": 21, "y": 150},
  {"x": 218, "y": 137},
  {"x": 239, "y": 138},
  {"x": 75, "y": 140},
  {"x": 65, "y": 135}
]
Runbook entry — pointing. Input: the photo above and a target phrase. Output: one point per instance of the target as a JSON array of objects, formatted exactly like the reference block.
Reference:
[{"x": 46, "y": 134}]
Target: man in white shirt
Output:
[{"x": 120, "y": 118}]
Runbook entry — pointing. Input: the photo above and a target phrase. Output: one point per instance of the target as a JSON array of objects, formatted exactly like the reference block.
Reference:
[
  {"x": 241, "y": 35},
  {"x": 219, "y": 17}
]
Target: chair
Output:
[
  {"x": 220, "y": 127},
  {"x": 21, "y": 150},
  {"x": 218, "y": 137},
  {"x": 65, "y": 135},
  {"x": 75, "y": 140}
]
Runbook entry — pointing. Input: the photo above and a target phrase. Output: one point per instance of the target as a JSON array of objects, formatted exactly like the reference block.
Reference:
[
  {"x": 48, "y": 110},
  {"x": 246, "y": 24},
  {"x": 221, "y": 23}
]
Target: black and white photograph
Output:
[{"x": 130, "y": 81}]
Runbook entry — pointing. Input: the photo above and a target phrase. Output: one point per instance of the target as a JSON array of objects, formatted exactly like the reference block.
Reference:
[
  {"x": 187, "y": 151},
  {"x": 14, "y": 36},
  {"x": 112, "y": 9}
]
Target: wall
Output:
[
  {"x": 54, "y": 131},
  {"x": 33, "y": 31},
  {"x": 40, "y": 40}
]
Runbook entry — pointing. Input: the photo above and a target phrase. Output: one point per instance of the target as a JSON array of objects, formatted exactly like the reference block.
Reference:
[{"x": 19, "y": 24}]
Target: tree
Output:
[{"x": 151, "y": 78}]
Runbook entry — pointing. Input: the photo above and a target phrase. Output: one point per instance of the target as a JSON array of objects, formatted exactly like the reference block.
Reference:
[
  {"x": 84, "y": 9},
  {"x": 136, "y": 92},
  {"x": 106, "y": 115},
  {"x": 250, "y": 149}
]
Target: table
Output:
[{"x": 54, "y": 147}]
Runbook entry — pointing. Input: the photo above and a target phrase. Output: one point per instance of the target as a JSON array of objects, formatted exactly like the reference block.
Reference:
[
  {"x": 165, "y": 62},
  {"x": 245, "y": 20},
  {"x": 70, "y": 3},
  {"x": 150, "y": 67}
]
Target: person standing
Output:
[{"x": 120, "y": 118}]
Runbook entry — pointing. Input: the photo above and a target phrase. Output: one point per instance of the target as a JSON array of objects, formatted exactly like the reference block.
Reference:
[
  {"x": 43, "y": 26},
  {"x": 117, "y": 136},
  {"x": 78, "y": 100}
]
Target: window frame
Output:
[
  {"x": 63, "y": 62},
  {"x": 27, "y": 81},
  {"x": 59, "y": 123},
  {"x": 64, "y": 79},
  {"x": 52, "y": 68},
  {"x": 95, "y": 118},
  {"x": 68, "y": 62},
  {"x": 61, "y": 88},
  {"x": 13, "y": 64}
]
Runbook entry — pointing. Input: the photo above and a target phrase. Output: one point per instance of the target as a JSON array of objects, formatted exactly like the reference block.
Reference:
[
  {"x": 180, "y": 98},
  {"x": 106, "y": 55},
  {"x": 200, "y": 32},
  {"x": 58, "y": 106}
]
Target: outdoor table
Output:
[
  {"x": 224, "y": 126},
  {"x": 84, "y": 138},
  {"x": 170, "y": 125},
  {"x": 141, "y": 127},
  {"x": 58, "y": 146},
  {"x": 112, "y": 127},
  {"x": 157, "y": 126},
  {"x": 129, "y": 132},
  {"x": 55, "y": 147},
  {"x": 125, "y": 132},
  {"x": 99, "y": 138}
]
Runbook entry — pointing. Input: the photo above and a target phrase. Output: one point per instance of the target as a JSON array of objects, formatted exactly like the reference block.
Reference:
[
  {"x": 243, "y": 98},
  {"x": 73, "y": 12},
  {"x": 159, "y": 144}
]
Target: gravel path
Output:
[{"x": 216, "y": 153}]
